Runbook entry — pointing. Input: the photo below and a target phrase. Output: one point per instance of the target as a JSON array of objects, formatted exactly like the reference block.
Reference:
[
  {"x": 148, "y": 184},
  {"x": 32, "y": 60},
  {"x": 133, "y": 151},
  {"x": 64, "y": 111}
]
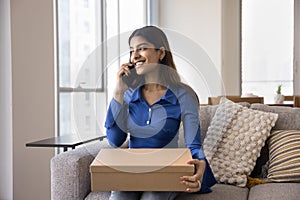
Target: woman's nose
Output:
[{"x": 135, "y": 54}]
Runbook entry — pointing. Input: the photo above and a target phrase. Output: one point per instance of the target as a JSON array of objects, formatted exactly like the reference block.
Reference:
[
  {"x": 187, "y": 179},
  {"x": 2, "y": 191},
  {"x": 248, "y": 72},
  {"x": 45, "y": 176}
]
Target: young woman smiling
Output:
[{"x": 152, "y": 109}]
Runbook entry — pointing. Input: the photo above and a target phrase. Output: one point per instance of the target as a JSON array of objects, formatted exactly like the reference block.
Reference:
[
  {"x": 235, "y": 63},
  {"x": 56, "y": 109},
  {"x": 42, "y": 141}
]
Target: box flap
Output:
[{"x": 142, "y": 160}]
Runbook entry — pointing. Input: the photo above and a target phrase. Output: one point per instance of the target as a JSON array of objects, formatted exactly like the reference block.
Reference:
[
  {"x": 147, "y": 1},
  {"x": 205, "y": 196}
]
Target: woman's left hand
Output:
[{"x": 193, "y": 183}]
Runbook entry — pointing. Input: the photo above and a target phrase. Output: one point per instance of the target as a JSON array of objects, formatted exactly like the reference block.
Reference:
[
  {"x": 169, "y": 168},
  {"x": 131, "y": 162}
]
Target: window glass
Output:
[
  {"x": 131, "y": 15},
  {"x": 267, "y": 47},
  {"x": 82, "y": 62},
  {"x": 78, "y": 35}
]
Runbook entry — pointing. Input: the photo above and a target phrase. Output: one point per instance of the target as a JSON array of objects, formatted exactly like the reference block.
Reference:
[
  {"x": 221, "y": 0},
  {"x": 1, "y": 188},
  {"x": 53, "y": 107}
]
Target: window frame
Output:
[
  {"x": 103, "y": 37},
  {"x": 79, "y": 89},
  {"x": 296, "y": 49}
]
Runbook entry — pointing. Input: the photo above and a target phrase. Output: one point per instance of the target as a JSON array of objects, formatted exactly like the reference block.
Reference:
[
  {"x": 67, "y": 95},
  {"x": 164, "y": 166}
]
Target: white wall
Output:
[
  {"x": 198, "y": 20},
  {"x": 230, "y": 69},
  {"x": 32, "y": 36},
  {"x": 6, "y": 173},
  {"x": 211, "y": 24}
]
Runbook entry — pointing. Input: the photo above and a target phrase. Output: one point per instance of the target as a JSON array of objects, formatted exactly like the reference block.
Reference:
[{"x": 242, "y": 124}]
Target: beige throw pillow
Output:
[{"x": 234, "y": 140}]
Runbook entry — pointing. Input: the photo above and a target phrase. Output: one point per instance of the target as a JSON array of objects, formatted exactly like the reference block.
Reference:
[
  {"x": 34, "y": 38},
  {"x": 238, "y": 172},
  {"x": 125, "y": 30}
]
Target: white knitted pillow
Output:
[{"x": 234, "y": 140}]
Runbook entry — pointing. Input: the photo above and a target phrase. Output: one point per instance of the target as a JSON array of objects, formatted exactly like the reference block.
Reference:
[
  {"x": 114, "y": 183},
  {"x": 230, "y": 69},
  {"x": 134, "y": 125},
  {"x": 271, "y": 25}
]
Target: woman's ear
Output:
[{"x": 163, "y": 53}]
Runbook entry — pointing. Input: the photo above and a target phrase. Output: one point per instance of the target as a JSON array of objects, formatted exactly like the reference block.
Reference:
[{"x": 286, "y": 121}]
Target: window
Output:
[
  {"x": 267, "y": 47},
  {"x": 131, "y": 14},
  {"x": 86, "y": 31}
]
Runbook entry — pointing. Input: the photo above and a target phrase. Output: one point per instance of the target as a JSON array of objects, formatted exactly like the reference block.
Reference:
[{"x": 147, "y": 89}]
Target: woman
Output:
[{"x": 153, "y": 108}]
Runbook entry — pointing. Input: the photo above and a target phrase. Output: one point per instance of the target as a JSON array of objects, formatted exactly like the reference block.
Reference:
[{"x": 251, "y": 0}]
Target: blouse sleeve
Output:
[
  {"x": 192, "y": 135},
  {"x": 115, "y": 123},
  {"x": 191, "y": 125}
]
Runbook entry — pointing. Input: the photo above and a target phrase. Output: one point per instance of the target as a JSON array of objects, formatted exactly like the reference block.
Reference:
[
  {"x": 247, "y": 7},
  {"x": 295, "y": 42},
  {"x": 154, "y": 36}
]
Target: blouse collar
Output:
[{"x": 168, "y": 96}]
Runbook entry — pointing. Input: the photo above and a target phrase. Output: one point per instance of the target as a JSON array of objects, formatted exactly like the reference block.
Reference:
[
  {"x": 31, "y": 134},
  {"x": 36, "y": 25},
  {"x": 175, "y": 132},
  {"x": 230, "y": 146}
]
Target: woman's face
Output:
[{"x": 144, "y": 55}]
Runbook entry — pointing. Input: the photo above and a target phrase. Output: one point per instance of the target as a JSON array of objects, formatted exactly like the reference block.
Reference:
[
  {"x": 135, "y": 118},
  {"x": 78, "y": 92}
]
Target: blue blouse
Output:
[{"x": 157, "y": 126}]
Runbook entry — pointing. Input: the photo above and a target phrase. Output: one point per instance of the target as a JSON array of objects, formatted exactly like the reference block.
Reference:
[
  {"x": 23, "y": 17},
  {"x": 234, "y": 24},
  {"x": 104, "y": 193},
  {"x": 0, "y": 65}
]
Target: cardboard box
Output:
[{"x": 140, "y": 169}]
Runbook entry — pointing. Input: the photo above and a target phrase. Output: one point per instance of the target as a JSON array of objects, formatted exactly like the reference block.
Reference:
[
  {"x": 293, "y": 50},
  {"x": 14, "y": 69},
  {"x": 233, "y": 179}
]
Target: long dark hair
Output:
[{"x": 168, "y": 72}]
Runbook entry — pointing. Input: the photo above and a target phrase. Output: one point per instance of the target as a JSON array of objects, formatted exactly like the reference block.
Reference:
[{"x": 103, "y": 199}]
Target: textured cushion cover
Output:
[
  {"x": 234, "y": 140},
  {"x": 284, "y": 148}
]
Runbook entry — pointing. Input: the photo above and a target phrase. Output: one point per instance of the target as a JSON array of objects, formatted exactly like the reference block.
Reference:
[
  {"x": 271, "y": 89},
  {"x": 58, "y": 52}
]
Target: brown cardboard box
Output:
[{"x": 140, "y": 169}]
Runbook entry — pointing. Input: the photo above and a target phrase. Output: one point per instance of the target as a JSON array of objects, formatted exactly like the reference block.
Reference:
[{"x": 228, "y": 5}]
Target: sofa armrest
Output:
[{"x": 70, "y": 176}]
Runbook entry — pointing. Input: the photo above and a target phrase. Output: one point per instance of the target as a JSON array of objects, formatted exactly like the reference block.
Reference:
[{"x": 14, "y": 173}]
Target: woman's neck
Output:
[
  {"x": 152, "y": 79},
  {"x": 150, "y": 87}
]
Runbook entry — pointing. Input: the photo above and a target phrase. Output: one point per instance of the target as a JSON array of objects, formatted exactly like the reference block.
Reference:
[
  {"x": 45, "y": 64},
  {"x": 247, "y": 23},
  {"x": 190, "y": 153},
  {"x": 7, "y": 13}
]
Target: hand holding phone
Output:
[{"x": 130, "y": 79}]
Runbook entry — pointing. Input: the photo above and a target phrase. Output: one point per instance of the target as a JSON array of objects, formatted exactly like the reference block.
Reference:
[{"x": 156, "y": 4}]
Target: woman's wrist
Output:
[
  {"x": 119, "y": 96},
  {"x": 200, "y": 169}
]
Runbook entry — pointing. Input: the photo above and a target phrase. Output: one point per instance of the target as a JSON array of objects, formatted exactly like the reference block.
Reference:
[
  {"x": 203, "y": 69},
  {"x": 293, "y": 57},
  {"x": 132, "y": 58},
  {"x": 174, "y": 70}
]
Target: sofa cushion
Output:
[
  {"x": 275, "y": 191},
  {"x": 219, "y": 192},
  {"x": 284, "y": 147},
  {"x": 98, "y": 196},
  {"x": 234, "y": 140}
]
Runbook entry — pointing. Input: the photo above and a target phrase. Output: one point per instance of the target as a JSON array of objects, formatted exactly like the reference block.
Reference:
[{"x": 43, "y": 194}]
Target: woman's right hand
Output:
[{"x": 121, "y": 86}]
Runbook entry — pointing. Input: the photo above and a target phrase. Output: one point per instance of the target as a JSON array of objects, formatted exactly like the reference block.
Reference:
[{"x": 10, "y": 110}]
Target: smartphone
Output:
[{"x": 131, "y": 79}]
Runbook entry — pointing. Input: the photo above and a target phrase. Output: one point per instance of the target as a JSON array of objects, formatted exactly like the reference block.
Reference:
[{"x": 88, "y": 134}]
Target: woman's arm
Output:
[
  {"x": 203, "y": 178},
  {"x": 115, "y": 123},
  {"x": 116, "y": 118},
  {"x": 194, "y": 183},
  {"x": 191, "y": 124}
]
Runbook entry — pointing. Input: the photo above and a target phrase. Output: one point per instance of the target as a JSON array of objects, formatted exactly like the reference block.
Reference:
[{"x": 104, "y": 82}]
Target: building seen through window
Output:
[{"x": 84, "y": 26}]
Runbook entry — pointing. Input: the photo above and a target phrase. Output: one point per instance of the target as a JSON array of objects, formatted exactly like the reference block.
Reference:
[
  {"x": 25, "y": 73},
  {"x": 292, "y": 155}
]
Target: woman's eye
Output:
[
  {"x": 142, "y": 48},
  {"x": 138, "y": 49}
]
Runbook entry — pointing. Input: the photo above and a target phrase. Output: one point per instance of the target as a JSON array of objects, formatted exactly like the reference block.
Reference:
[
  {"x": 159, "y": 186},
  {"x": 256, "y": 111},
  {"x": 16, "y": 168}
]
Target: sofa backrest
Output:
[
  {"x": 206, "y": 113},
  {"x": 288, "y": 117}
]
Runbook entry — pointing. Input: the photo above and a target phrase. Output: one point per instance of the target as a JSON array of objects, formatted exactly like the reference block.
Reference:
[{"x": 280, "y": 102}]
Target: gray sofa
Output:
[{"x": 70, "y": 178}]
